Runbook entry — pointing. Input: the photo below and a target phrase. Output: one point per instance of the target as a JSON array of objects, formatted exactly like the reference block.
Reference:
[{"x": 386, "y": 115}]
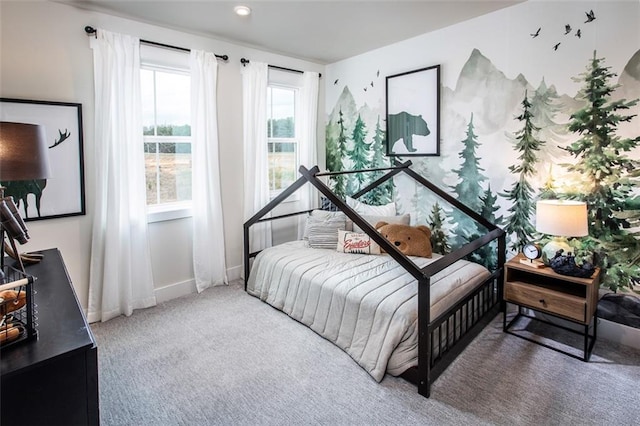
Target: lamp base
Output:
[{"x": 551, "y": 248}]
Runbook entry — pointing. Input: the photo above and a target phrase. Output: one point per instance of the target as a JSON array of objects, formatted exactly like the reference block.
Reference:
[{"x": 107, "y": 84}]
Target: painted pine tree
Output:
[
  {"x": 420, "y": 205},
  {"x": 544, "y": 107},
  {"x": 439, "y": 241},
  {"x": 521, "y": 194},
  {"x": 487, "y": 255},
  {"x": 468, "y": 189},
  {"x": 383, "y": 193},
  {"x": 340, "y": 181},
  {"x": 359, "y": 156},
  {"x": 603, "y": 161},
  {"x": 333, "y": 160}
]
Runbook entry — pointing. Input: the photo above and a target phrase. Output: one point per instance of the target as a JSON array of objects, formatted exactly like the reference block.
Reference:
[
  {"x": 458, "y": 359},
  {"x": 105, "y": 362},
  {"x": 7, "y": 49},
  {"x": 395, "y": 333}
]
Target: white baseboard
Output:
[
  {"x": 184, "y": 288},
  {"x": 234, "y": 273},
  {"x": 619, "y": 333},
  {"x": 175, "y": 290}
]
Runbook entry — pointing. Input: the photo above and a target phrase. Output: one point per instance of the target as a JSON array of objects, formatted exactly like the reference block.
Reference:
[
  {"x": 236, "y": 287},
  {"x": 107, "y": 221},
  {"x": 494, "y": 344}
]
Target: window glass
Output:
[
  {"x": 166, "y": 133},
  {"x": 283, "y": 145}
]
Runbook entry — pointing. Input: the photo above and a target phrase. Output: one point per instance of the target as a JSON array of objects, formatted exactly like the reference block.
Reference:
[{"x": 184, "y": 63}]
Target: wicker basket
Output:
[{"x": 17, "y": 310}]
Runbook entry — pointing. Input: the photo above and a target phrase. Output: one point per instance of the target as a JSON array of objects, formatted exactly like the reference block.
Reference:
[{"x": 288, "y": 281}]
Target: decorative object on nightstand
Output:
[
  {"x": 542, "y": 290},
  {"x": 532, "y": 252},
  {"x": 560, "y": 219},
  {"x": 566, "y": 265},
  {"x": 23, "y": 157}
]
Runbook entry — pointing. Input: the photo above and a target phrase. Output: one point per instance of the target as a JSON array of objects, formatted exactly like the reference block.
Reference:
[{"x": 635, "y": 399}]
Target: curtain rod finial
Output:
[{"x": 90, "y": 30}]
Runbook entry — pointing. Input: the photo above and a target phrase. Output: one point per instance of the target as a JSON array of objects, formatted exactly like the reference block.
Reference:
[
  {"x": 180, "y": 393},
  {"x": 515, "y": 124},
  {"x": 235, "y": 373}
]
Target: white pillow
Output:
[
  {"x": 329, "y": 214},
  {"x": 323, "y": 232},
  {"x": 404, "y": 219},
  {"x": 354, "y": 242},
  {"x": 362, "y": 208}
]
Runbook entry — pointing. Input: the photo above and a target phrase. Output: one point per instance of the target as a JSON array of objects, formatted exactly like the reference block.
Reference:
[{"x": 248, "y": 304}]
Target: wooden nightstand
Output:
[{"x": 542, "y": 290}]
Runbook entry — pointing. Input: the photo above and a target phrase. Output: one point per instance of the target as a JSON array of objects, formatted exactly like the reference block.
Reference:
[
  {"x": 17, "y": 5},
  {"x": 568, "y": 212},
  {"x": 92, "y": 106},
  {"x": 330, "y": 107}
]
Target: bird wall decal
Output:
[
  {"x": 336, "y": 82},
  {"x": 590, "y": 16},
  {"x": 556, "y": 46},
  {"x": 578, "y": 33},
  {"x": 537, "y": 33},
  {"x": 567, "y": 29}
]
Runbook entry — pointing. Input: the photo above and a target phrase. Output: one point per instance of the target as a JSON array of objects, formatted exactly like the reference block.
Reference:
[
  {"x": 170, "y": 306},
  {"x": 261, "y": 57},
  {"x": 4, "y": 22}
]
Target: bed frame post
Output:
[
  {"x": 262, "y": 212},
  {"x": 424, "y": 337},
  {"x": 246, "y": 255},
  {"x": 502, "y": 258}
]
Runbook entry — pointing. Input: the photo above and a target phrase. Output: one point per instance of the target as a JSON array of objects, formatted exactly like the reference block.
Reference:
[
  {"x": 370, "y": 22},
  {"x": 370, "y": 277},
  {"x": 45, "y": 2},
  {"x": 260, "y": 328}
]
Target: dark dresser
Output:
[{"x": 52, "y": 380}]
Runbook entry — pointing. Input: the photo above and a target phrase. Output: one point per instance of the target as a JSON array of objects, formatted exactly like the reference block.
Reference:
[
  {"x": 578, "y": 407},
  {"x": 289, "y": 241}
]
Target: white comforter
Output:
[{"x": 365, "y": 304}]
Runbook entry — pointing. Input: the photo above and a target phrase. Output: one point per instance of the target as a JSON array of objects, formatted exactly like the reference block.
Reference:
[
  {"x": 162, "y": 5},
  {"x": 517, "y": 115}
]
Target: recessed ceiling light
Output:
[{"x": 242, "y": 10}]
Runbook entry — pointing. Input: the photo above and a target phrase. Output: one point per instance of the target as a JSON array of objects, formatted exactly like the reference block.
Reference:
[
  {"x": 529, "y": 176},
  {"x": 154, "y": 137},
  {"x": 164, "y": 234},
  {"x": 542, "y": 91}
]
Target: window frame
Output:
[
  {"x": 162, "y": 60},
  {"x": 295, "y": 140}
]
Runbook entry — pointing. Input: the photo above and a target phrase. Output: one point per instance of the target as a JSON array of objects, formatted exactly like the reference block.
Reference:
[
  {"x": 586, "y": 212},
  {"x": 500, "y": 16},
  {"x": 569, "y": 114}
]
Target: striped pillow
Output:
[{"x": 322, "y": 232}]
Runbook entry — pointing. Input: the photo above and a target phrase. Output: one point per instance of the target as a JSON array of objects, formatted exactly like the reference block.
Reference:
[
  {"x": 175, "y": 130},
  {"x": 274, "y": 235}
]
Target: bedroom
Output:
[{"x": 59, "y": 68}]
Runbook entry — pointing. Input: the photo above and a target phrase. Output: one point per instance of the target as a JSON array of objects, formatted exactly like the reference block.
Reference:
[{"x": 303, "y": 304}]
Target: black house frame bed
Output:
[{"x": 441, "y": 339}]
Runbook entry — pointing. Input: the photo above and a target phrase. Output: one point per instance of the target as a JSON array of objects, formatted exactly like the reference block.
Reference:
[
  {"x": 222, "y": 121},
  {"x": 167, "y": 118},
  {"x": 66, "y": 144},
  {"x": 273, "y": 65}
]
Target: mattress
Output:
[{"x": 365, "y": 304}]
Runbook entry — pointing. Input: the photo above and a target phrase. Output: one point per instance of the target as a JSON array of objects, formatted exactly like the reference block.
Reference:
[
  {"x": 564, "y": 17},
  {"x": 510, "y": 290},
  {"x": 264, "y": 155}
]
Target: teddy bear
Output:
[{"x": 410, "y": 240}]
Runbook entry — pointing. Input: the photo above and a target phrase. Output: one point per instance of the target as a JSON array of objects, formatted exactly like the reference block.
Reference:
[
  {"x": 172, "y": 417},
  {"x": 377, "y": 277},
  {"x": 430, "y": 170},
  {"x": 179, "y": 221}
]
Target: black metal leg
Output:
[
  {"x": 589, "y": 340},
  {"x": 586, "y": 343},
  {"x": 504, "y": 317}
]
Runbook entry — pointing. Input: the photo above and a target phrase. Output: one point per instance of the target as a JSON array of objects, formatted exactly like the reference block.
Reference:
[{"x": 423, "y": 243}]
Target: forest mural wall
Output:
[{"x": 538, "y": 100}]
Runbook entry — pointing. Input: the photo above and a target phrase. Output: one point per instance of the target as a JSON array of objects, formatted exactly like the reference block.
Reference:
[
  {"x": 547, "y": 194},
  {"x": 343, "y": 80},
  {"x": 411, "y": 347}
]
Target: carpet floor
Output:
[{"x": 224, "y": 357}]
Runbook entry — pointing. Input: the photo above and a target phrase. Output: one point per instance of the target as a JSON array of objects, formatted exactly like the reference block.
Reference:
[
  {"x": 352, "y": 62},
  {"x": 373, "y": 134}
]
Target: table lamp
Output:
[
  {"x": 23, "y": 157},
  {"x": 560, "y": 219}
]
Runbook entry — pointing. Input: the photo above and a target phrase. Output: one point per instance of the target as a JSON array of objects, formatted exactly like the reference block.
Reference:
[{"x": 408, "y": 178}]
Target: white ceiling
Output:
[{"x": 319, "y": 31}]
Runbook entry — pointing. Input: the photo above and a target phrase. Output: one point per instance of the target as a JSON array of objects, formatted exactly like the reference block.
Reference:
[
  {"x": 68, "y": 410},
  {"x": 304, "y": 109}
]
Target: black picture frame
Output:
[
  {"x": 62, "y": 194},
  {"x": 413, "y": 113}
]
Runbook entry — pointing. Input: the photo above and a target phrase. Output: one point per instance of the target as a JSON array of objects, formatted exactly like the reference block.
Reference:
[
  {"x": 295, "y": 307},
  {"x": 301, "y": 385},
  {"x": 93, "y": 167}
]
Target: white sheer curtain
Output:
[
  {"x": 120, "y": 272},
  {"x": 208, "y": 229},
  {"x": 308, "y": 146},
  {"x": 256, "y": 174}
]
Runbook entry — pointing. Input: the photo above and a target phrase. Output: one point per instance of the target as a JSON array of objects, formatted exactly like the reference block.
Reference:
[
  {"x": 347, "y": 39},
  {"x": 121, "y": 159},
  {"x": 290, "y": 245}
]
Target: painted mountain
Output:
[
  {"x": 492, "y": 100},
  {"x": 630, "y": 89}
]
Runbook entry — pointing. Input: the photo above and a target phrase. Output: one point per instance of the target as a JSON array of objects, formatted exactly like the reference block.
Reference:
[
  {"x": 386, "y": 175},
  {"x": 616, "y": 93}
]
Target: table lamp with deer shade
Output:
[
  {"x": 560, "y": 219},
  {"x": 23, "y": 157}
]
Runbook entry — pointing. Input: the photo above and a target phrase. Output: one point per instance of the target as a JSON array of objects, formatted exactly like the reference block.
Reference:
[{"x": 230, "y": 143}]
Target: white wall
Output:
[{"x": 45, "y": 55}]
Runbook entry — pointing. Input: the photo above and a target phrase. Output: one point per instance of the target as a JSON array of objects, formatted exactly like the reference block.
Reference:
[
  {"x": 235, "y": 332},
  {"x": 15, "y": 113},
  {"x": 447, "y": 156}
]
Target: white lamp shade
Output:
[{"x": 562, "y": 218}]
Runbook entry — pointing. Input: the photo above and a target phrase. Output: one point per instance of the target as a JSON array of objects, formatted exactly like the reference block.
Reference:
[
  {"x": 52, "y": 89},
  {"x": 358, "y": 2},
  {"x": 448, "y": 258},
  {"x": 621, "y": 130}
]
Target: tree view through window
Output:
[
  {"x": 283, "y": 145},
  {"x": 167, "y": 135}
]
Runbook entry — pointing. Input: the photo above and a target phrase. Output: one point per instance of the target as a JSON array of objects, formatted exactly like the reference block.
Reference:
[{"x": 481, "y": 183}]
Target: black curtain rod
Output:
[
  {"x": 90, "y": 30},
  {"x": 244, "y": 62}
]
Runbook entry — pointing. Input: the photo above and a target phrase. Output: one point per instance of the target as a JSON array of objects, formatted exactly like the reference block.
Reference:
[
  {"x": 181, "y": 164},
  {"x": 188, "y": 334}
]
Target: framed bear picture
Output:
[{"x": 413, "y": 113}]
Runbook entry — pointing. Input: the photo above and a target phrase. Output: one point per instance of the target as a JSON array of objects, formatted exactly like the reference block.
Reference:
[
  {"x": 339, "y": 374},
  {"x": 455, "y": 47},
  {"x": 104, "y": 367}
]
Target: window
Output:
[
  {"x": 166, "y": 130},
  {"x": 281, "y": 137}
]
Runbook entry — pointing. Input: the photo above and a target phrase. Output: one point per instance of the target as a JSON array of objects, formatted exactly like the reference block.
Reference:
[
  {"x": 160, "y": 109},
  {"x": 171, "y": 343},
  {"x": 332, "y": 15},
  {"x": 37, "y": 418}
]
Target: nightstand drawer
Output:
[{"x": 543, "y": 299}]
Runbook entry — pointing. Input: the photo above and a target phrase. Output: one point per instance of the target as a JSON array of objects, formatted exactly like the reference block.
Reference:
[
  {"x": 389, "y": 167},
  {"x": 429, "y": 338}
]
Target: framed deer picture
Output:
[{"x": 62, "y": 194}]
